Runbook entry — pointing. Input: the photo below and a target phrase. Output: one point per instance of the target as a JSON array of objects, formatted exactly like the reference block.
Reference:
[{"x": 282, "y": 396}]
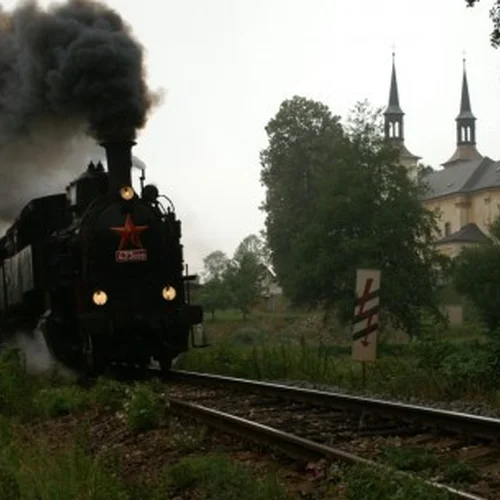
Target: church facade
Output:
[{"x": 466, "y": 191}]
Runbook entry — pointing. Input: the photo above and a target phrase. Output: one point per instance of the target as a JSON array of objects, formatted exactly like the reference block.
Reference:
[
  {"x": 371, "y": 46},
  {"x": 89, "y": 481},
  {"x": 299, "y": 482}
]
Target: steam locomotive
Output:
[{"x": 100, "y": 269}]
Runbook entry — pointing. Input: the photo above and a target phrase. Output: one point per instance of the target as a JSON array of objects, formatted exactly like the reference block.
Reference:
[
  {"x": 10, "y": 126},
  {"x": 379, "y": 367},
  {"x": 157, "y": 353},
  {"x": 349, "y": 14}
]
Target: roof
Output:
[
  {"x": 464, "y": 152},
  {"x": 463, "y": 177},
  {"x": 393, "y": 107},
  {"x": 470, "y": 233},
  {"x": 465, "y": 108},
  {"x": 405, "y": 153}
]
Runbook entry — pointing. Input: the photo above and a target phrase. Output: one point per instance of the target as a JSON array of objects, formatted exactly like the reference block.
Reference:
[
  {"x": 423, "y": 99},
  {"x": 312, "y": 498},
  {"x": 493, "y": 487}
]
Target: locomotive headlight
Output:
[
  {"x": 127, "y": 192},
  {"x": 168, "y": 293},
  {"x": 100, "y": 297}
]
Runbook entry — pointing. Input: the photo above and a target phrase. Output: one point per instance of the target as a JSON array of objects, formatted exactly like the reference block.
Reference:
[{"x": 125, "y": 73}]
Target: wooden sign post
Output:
[{"x": 366, "y": 313}]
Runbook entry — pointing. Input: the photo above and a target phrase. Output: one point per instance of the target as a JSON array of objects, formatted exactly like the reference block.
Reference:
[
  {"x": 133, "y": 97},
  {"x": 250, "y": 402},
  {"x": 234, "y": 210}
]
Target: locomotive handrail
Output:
[{"x": 169, "y": 200}]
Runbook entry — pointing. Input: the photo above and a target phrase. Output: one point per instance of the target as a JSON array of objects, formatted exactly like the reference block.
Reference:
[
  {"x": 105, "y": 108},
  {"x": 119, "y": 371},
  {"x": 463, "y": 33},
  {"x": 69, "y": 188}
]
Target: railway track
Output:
[
  {"x": 310, "y": 424},
  {"x": 475, "y": 425}
]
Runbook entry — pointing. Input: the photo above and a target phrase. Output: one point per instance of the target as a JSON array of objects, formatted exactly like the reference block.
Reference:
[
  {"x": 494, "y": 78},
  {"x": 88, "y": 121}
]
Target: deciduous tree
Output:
[
  {"x": 495, "y": 17},
  {"x": 477, "y": 277},
  {"x": 214, "y": 294},
  {"x": 244, "y": 273},
  {"x": 337, "y": 200}
]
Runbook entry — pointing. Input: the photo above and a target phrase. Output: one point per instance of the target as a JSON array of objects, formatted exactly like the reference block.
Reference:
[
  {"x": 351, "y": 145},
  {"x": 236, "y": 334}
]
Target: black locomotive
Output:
[{"x": 101, "y": 270}]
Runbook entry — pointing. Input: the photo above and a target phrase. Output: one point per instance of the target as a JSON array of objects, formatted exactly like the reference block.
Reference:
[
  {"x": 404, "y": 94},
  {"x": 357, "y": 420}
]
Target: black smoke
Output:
[
  {"x": 75, "y": 60},
  {"x": 70, "y": 75}
]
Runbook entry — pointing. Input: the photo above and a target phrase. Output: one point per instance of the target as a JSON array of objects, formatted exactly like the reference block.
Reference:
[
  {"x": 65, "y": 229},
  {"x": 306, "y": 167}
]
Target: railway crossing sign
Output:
[{"x": 366, "y": 311}]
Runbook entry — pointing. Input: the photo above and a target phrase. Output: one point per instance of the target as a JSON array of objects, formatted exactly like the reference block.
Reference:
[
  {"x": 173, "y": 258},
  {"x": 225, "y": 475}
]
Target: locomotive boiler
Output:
[{"x": 101, "y": 269}]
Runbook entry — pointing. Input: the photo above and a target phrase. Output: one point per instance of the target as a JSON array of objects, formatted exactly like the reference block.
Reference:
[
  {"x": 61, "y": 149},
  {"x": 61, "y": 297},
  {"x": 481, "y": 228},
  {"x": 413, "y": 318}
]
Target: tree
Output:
[
  {"x": 495, "y": 17},
  {"x": 251, "y": 244},
  {"x": 302, "y": 136},
  {"x": 243, "y": 276},
  {"x": 215, "y": 265},
  {"x": 358, "y": 208},
  {"x": 423, "y": 171},
  {"x": 477, "y": 277},
  {"x": 214, "y": 293}
]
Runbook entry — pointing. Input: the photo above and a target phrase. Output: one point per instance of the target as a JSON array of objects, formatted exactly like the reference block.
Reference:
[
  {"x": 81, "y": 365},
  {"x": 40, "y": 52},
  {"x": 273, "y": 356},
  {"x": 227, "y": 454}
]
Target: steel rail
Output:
[
  {"x": 290, "y": 444},
  {"x": 485, "y": 427}
]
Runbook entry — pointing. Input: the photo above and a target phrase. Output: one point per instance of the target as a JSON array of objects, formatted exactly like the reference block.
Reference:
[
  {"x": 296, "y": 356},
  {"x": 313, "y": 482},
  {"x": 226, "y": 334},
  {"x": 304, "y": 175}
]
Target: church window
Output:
[{"x": 447, "y": 229}]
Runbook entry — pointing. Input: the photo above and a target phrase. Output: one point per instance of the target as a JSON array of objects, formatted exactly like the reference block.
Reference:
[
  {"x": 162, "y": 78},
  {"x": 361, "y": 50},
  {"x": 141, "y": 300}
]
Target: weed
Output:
[
  {"x": 29, "y": 471},
  {"x": 426, "y": 369},
  {"x": 54, "y": 401},
  {"x": 17, "y": 388},
  {"x": 368, "y": 484},
  {"x": 108, "y": 393},
  {"x": 186, "y": 438},
  {"x": 410, "y": 459},
  {"x": 218, "y": 477},
  {"x": 144, "y": 408},
  {"x": 461, "y": 472}
]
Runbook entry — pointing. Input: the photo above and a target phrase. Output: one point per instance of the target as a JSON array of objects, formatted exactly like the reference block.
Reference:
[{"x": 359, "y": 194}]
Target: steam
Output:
[
  {"x": 38, "y": 358},
  {"x": 138, "y": 163},
  {"x": 70, "y": 75}
]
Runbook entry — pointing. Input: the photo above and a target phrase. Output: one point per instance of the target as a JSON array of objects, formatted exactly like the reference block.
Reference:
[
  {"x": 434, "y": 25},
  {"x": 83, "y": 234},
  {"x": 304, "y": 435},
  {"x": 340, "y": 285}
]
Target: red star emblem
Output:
[{"x": 129, "y": 233}]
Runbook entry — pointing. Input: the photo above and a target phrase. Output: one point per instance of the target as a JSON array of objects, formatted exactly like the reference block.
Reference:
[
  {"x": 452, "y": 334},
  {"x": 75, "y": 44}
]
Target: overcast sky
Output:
[{"x": 226, "y": 66}]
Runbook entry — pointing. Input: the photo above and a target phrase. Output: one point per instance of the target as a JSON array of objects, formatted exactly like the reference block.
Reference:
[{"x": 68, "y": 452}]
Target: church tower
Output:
[
  {"x": 466, "y": 129},
  {"x": 394, "y": 124}
]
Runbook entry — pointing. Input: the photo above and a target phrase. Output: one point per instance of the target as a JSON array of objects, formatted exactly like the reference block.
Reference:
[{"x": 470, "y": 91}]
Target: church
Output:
[{"x": 466, "y": 191}]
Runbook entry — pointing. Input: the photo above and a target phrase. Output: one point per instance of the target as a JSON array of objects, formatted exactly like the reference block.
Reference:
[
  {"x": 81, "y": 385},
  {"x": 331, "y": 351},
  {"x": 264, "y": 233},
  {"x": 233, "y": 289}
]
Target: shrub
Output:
[
  {"x": 54, "y": 401},
  {"x": 144, "y": 408},
  {"x": 108, "y": 393}
]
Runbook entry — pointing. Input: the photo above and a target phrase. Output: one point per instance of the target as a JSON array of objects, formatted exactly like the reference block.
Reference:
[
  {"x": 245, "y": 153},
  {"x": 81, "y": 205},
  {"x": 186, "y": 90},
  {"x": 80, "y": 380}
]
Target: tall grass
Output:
[
  {"x": 39, "y": 466},
  {"x": 429, "y": 368}
]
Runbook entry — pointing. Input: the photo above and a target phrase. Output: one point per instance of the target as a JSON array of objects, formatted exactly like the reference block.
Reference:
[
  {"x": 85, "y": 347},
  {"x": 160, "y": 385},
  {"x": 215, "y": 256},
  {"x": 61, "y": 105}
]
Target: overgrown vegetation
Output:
[
  {"x": 371, "y": 484},
  {"x": 217, "y": 477},
  {"x": 442, "y": 364},
  {"x": 35, "y": 466}
]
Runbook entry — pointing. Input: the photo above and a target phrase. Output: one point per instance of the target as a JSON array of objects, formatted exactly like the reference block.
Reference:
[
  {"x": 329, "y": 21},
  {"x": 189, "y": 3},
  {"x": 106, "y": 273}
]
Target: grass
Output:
[
  {"x": 215, "y": 476},
  {"x": 35, "y": 466},
  {"x": 444, "y": 364},
  {"x": 459, "y": 371},
  {"x": 144, "y": 408},
  {"x": 31, "y": 470},
  {"x": 38, "y": 466},
  {"x": 410, "y": 459},
  {"x": 368, "y": 484}
]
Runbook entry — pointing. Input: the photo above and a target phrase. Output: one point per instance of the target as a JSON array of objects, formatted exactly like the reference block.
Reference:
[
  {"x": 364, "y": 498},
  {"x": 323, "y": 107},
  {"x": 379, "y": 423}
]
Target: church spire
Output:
[
  {"x": 393, "y": 115},
  {"x": 393, "y": 125},
  {"x": 466, "y": 128}
]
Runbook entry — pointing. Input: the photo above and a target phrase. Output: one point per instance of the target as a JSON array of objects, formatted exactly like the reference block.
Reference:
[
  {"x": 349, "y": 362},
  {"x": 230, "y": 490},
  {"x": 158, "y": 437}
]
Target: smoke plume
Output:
[{"x": 70, "y": 75}]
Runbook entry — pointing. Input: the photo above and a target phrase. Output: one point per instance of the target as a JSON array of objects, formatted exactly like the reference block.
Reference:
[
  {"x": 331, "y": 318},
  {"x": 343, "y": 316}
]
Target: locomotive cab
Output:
[{"x": 92, "y": 184}]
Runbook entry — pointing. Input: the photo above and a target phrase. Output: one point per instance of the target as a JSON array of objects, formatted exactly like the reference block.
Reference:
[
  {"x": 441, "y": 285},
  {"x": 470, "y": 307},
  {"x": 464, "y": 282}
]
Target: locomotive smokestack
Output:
[{"x": 119, "y": 159}]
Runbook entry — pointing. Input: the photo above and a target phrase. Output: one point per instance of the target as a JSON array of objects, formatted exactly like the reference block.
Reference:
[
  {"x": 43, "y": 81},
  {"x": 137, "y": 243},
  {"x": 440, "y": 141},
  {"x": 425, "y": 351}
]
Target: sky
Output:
[{"x": 226, "y": 66}]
